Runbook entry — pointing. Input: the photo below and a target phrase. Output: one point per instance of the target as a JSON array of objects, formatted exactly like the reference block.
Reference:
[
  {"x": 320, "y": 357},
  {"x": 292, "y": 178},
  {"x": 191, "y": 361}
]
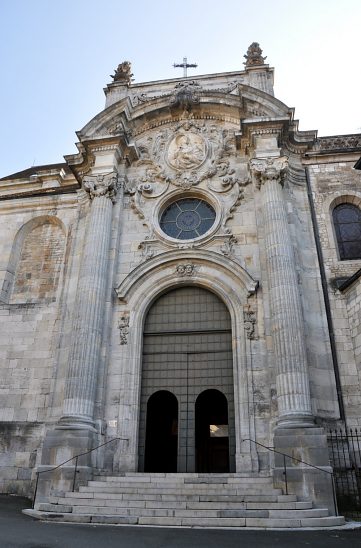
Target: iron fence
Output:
[{"x": 345, "y": 456}]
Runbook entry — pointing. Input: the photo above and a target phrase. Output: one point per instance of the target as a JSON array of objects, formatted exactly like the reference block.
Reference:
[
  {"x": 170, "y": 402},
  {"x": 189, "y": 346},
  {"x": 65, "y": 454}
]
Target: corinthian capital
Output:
[
  {"x": 268, "y": 169},
  {"x": 102, "y": 185}
]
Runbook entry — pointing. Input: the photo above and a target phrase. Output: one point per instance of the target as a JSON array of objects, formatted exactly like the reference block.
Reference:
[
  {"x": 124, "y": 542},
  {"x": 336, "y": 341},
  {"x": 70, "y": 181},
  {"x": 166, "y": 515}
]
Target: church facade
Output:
[{"x": 186, "y": 285}]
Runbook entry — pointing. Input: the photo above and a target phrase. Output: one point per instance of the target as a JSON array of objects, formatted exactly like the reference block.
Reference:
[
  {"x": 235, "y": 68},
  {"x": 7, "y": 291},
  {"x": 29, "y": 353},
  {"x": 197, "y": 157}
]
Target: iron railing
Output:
[
  {"x": 345, "y": 455},
  {"x": 286, "y": 456},
  {"x": 76, "y": 457}
]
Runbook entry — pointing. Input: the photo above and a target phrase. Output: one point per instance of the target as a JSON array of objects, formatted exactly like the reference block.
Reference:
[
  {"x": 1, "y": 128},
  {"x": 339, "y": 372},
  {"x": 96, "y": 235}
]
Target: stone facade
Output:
[{"x": 85, "y": 254}]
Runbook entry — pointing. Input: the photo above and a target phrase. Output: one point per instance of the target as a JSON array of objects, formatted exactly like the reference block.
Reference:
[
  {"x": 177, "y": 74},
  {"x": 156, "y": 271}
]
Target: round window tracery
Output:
[{"x": 187, "y": 219}]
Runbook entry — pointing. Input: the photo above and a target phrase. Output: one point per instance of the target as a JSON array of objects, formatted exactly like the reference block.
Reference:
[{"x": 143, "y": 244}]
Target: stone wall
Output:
[
  {"x": 333, "y": 183},
  {"x": 36, "y": 294}
]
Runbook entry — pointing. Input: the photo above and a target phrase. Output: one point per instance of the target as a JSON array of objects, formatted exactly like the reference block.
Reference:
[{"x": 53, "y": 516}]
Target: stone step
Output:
[
  {"x": 188, "y": 478},
  {"x": 257, "y": 477},
  {"x": 206, "y": 513},
  {"x": 176, "y": 496},
  {"x": 165, "y": 521},
  {"x": 183, "y": 490},
  {"x": 193, "y": 505}
]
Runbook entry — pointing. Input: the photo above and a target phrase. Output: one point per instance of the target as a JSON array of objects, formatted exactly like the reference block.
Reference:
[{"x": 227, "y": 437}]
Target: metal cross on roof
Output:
[{"x": 185, "y": 65}]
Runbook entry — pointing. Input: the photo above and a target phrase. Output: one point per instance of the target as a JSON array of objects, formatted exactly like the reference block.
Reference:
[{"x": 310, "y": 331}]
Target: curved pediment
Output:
[{"x": 133, "y": 115}]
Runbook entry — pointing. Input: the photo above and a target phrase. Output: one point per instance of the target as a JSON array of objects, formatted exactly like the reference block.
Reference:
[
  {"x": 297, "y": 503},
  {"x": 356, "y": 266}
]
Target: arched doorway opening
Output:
[
  {"x": 187, "y": 347},
  {"x": 212, "y": 433},
  {"x": 161, "y": 439}
]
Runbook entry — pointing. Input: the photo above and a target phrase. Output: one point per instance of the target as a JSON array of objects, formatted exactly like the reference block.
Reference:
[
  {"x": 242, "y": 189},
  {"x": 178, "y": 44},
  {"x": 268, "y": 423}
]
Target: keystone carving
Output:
[
  {"x": 269, "y": 169},
  {"x": 124, "y": 328},
  {"x": 186, "y": 94},
  {"x": 102, "y": 185},
  {"x": 186, "y": 269}
]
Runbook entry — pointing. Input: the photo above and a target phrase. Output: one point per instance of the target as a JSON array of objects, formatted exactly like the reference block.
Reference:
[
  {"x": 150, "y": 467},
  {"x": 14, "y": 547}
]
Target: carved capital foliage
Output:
[
  {"x": 102, "y": 185},
  {"x": 268, "y": 169}
]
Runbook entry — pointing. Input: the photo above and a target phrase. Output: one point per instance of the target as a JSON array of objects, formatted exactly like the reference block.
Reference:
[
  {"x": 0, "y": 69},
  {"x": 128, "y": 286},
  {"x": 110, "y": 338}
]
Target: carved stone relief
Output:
[
  {"x": 250, "y": 318},
  {"x": 123, "y": 326},
  {"x": 188, "y": 155},
  {"x": 186, "y": 269}
]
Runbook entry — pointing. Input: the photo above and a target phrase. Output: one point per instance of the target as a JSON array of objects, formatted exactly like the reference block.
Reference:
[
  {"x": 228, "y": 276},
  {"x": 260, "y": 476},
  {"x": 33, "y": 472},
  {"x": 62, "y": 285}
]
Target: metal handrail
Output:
[
  {"x": 285, "y": 455},
  {"x": 65, "y": 462}
]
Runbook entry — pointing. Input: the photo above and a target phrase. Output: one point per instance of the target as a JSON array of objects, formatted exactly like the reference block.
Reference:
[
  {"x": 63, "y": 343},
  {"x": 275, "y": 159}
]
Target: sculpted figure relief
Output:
[{"x": 186, "y": 151}]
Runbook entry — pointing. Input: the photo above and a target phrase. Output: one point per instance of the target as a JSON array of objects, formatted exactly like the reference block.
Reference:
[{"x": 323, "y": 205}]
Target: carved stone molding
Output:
[
  {"x": 186, "y": 269},
  {"x": 268, "y": 169},
  {"x": 123, "y": 326},
  {"x": 102, "y": 185},
  {"x": 338, "y": 142},
  {"x": 147, "y": 251},
  {"x": 227, "y": 248}
]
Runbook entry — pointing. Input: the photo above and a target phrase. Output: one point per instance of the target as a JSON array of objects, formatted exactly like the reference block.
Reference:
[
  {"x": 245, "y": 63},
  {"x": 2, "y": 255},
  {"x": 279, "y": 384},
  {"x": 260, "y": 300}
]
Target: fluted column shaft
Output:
[
  {"x": 86, "y": 337},
  {"x": 293, "y": 393}
]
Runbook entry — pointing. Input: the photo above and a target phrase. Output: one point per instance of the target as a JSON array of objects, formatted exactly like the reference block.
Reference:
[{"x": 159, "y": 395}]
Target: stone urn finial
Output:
[
  {"x": 254, "y": 56},
  {"x": 123, "y": 73}
]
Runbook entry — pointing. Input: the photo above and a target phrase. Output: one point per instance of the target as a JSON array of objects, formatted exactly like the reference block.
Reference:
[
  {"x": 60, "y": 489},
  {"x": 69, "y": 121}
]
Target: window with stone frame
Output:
[{"x": 347, "y": 224}]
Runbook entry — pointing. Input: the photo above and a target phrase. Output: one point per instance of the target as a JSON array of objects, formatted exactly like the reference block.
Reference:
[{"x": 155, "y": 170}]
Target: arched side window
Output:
[
  {"x": 37, "y": 260},
  {"x": 347, "y": 223}
]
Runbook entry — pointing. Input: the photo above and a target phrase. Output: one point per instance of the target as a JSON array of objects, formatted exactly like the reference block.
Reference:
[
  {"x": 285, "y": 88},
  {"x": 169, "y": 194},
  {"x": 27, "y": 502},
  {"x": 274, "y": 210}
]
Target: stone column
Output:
[
  {"x": 75, "y": 433},
  {"x": 293, "y": 393},
  {"x": 89, "y": 306}
]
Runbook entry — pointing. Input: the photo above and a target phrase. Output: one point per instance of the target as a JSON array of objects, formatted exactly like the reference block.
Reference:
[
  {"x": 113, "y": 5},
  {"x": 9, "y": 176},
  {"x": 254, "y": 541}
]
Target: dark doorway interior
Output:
[
  {"x": 212, "y": 440},
  {"x": 161, "y": 442}
]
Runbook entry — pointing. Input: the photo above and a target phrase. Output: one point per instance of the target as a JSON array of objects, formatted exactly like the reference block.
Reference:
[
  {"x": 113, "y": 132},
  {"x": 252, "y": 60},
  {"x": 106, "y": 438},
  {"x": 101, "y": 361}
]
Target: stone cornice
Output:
[
  {"x": 81, "y": 163},
  {"x": 285, "y": 127},
  {"x": 38, "y": 181},
  {"x": 337, "y": 147}
]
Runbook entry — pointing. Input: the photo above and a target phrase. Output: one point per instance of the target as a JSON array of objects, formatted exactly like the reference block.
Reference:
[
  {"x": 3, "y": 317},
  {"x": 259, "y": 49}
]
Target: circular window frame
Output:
[{"x": 177, "y": 196}]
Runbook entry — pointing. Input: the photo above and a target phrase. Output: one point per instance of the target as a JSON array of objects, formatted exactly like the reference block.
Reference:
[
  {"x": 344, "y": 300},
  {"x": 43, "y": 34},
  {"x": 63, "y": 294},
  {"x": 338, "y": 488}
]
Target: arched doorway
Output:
[
  {"x": 211, "y": 429},
  {"x": 187, "y": 347},
  {"x": 161, "y": 438}
]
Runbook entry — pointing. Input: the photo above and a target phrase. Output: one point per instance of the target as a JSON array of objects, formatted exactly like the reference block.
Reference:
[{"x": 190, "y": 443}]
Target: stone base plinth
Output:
[
  {"x": 61, "y": 445},
  {"x": 308, "y": 445}
]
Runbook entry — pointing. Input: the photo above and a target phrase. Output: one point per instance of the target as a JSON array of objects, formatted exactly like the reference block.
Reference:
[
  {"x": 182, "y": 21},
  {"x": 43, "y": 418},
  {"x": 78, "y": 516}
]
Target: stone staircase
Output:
[{"x": 192, "y": 500}]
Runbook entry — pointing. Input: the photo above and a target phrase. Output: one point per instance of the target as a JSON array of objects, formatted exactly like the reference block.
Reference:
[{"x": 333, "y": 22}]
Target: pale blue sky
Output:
[{"x": 56, "y": 56}]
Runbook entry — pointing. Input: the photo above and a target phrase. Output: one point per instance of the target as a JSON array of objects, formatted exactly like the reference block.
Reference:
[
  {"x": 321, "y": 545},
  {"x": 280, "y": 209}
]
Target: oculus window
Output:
[
  {"x": 347, "y": 223},
  {"x": 187, "y": 219}
]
